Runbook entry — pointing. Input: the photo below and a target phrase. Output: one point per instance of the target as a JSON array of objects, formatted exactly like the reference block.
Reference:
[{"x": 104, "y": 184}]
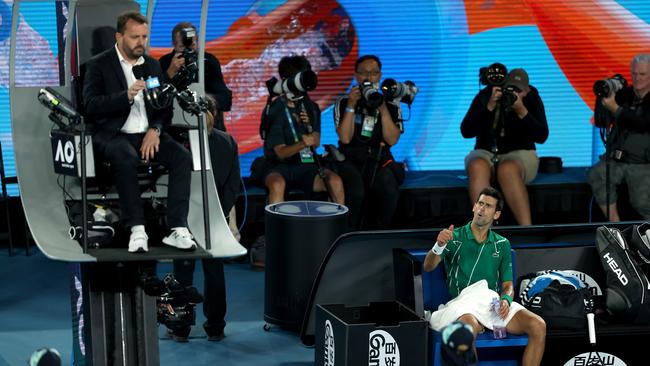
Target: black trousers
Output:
[
  {"x": 214, "y": 290},
  {"x": 122, "y": 152},
  {"x": 380, "y": 198}
]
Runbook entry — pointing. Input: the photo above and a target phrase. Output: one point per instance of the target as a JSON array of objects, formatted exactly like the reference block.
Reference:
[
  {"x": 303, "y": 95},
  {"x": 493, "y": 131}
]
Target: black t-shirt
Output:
[
  {"x": 280, "y": 128},
  {"x": 224, "y": 156},
  {"x": 632, "y": 127},
  {"x": 361, "y": 112},
  {"x": 511, "y": 132}
]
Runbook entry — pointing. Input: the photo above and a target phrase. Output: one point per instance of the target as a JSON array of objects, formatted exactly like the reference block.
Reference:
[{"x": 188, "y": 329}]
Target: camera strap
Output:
[
  {"x": 306, "y": 155},
  {"x": 290, "y": 122},
  {"x": 495, "y": 125}
]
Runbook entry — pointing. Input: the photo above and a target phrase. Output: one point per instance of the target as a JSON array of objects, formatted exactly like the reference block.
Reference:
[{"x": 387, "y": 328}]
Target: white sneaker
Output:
[
  {"x": 180, "y": 238},
  {"x": 138, "y": 242}
]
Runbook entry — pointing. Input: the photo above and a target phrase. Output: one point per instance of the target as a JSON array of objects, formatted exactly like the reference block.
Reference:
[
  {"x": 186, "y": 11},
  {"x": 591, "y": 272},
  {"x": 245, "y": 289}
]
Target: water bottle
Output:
[{"x": 499, "y": 327}]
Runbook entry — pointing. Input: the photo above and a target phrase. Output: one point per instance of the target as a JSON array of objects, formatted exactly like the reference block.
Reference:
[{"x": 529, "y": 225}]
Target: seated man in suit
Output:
[
  {"x": 126, "y": 131},
  {"x": 477, "y": 260}
]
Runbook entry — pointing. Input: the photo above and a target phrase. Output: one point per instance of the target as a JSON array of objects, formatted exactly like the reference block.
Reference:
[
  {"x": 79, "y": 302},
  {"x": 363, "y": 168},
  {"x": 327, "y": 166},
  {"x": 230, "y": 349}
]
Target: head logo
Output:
[
  {"x": 329, "y": 356},
  {"x": 64, "y": 153},
  {"x": 382, "y": 349},
  {"x": 615, "y": 268},
  {"x": 593, "y": 358}
]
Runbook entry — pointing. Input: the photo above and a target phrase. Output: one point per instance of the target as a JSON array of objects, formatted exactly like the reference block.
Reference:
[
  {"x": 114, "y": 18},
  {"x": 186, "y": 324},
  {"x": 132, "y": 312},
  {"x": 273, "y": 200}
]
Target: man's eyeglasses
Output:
[{"x": 367, "y": 74}]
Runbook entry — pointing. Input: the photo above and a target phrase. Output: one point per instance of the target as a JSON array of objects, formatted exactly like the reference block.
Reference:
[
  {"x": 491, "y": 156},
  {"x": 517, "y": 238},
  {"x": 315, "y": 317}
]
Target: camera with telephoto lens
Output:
[
  {"x": 188, "y": 73},
  {"x": 176, "y": 306},
  {"x": 394, "y": 90},
  {"x": 607, "y": 87},
  {"x": 189, "y": 53},
  {"x": 371, "y": 95},
  {"x": 296, "y": 84},
  {"x": 493, "y": 75}
]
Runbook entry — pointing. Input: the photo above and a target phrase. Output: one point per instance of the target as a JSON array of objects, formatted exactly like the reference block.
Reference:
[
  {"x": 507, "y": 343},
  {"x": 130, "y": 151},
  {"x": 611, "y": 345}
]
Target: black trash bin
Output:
[
  {"x": 381, "y": 333},
  {"x": 298, "y": 236}
]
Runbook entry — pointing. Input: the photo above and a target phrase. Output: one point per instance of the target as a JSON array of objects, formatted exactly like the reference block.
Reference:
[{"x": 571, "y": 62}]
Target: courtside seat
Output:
[{"x": 430, "y": 290}]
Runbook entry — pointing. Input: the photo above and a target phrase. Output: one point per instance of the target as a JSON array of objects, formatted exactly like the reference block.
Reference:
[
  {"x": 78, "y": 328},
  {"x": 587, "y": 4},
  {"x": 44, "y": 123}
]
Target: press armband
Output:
[{"x": 348, "y": 109}]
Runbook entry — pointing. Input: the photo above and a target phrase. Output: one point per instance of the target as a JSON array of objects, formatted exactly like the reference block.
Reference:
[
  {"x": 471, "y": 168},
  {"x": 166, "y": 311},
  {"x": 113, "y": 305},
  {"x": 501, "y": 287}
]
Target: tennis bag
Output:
[
  {"x": 638, "y": 237},
  {"x": 559, "y": 297},
  {"x": 628, "y": 291}
]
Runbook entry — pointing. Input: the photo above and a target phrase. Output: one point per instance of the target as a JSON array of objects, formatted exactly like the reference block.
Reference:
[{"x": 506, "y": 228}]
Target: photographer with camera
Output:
[
  {"x": 293, "y": 135},
  {"x": 225, "y": 170},
  {"x": 367, "y": 127},
  {"x": 625, "y": 113},
  {"x": 507, "y": 118},
  {"x": 184, "y": 38}
]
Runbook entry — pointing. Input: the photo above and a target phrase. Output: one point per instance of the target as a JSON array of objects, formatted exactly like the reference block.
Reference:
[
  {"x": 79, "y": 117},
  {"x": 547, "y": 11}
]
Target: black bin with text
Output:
[{"x": 382, "y": 333}]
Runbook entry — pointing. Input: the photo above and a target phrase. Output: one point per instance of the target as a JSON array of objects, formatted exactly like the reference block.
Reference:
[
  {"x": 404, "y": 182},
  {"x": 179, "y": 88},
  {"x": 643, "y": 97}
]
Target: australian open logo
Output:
[
  {"x": 64, "y": 153},
  {"x": 328, "y": 347},
  {"x": 595, "y": 358},
  {"x": 382, "y": 349}
]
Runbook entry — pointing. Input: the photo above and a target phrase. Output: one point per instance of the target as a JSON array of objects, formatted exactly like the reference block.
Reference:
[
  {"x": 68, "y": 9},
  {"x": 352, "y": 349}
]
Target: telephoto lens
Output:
[
  {"x": 606, "y": 87},
  {"x": 394, "y": 90},
  {"x": 296, "y": 84}
]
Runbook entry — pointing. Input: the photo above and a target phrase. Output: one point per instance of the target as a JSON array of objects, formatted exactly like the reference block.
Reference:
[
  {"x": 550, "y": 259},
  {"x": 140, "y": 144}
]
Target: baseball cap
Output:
[
  {"x": 517, "y": 78},
  {"x": 457, "y": 340},
  {"x": 45, "y": 357}
]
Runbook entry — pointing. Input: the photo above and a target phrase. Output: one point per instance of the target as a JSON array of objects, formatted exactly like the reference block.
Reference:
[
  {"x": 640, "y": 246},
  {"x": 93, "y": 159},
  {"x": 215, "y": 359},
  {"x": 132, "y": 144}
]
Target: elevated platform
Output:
[{"x": 439, "y": 198}]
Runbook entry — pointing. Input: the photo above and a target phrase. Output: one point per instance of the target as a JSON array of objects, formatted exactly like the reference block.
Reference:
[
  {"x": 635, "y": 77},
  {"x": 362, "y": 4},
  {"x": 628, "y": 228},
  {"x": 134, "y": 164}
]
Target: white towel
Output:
[{"x": 474, "y": 299}]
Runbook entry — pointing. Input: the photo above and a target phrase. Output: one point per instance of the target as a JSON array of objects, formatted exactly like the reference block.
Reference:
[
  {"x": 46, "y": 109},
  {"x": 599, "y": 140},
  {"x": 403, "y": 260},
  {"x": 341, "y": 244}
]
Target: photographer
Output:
[
  {"x": 365, "y": 137},
  {"x": 184, "y": 40},
  {"x": 293, "y": 136},
  {"x": 629, "y": 111},
  {"x": 225, "y": 162},
  {"x": 507, "y": 122}
]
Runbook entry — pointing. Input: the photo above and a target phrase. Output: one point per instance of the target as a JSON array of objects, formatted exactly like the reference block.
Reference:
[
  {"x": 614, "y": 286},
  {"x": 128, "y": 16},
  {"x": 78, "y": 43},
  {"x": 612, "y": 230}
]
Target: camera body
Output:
[
  {"x": 189, "y": 53},
  {"x": 394, "y": 90},
  {"x": 607, "y": 87},
  {"x": 188, "y": 73},
  {"x": 508, "y": 98},
  {"x": 296, "y": 84},
  {"x": 371, "y": 95},
  {"x": 176, "y": 306},
  {"x": 493, "y": 75}
]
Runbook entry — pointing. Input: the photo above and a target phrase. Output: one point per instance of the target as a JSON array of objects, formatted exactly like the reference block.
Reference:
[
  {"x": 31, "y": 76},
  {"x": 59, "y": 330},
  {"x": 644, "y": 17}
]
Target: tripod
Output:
[
  {"x": 321, "y": 170},
  {"x": 604, "y": 120}
]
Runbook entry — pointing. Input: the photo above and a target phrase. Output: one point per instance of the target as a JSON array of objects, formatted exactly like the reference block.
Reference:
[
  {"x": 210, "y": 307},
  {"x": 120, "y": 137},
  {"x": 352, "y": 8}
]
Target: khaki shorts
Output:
[{"x": 527, "y": 159}]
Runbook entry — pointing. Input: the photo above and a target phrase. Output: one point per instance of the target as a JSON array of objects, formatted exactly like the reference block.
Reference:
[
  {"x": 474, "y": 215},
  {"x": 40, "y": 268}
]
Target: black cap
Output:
[
  {"x": 457, "y": 339},
  {"x": 45, "y": 357}
]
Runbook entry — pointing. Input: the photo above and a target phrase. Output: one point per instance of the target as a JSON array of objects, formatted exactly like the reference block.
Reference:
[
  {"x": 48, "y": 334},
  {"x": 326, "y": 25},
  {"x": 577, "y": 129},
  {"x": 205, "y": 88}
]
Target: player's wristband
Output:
[
  {"x": 437, "y": 249},
  {"x": 348, "y": 109},
  {"x": 508, "y": 298}
]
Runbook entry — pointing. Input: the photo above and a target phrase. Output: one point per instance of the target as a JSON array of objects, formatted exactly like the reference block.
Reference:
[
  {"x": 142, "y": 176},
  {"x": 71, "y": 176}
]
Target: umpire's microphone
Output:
[{"x": 140, "y": 72}]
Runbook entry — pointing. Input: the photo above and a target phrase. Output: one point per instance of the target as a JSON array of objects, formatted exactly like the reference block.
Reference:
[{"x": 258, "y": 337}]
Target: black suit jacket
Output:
[{"x": 105, "y": 96}]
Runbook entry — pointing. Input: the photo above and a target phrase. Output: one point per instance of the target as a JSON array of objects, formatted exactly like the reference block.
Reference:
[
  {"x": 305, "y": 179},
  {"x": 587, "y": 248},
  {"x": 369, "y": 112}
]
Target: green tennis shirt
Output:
[{"x": 467, "y": 261}]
